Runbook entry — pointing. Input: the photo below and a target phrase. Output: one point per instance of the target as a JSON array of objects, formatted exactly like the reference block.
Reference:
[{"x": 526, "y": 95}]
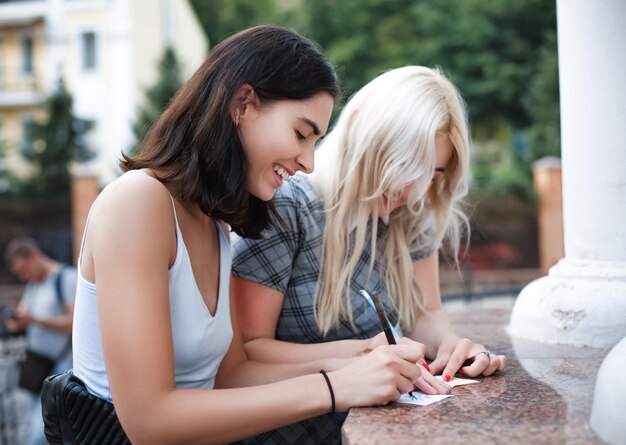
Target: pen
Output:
[
  {"x": 377, "y": 305},
  {"x": 365, "y": 294},
  {"x": 384, "y": 321}
]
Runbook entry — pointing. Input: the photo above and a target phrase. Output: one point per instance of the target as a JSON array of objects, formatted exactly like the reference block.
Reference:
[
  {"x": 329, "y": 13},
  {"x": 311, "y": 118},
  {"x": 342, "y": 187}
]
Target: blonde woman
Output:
[{"x": 385, "y": 194}]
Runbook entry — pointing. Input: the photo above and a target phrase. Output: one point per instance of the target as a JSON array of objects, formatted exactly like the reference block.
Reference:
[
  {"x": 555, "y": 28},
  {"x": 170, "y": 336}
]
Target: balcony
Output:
[
  {"x": 21, "y": 12},
  {"x": 20, "y": 92}
]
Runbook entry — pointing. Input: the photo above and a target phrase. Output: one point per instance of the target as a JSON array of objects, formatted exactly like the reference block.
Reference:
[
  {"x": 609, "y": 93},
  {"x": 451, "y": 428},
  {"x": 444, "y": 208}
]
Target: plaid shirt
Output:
[{"x": 288, "y": 260}]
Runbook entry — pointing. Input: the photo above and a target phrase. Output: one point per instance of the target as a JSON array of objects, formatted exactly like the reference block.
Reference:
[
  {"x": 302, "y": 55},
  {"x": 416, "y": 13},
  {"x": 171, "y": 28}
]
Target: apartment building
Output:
[{"x": 107, "y": 53}]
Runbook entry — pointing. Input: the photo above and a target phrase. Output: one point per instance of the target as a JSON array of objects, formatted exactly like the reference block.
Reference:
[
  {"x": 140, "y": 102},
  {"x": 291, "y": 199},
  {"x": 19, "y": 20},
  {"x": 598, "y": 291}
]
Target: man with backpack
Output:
[{"x": 45, "y": 312}]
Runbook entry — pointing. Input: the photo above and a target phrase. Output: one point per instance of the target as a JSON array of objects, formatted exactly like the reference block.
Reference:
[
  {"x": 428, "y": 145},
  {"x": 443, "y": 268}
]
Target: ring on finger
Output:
[{"x": 487, "y": 352}]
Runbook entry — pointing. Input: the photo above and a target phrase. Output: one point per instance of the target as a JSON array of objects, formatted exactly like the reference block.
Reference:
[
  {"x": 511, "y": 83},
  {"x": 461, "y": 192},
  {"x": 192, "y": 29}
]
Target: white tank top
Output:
[{"x": 200, "y": 339}]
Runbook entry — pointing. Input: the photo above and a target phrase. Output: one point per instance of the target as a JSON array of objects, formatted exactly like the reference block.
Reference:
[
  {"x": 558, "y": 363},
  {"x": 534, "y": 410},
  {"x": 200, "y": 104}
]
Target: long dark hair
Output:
[{"x": 194, "y": 143}]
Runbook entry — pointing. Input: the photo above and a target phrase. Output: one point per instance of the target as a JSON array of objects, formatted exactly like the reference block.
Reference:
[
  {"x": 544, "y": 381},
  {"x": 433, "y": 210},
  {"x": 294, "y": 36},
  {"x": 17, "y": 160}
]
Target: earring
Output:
[{"x": 237, "y": 119}]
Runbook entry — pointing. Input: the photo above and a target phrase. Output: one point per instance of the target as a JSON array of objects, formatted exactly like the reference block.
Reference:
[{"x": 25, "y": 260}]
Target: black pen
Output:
[
  {"x": 382, "y": 317},
  {"x": 384, "y": 321}
]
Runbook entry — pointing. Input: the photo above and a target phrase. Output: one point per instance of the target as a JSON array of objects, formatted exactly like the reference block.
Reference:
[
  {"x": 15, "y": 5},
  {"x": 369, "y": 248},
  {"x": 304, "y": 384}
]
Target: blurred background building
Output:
[
  {"x": 122, "y": 60},
  {"x": 80, "y": 82},
  {"x": 106, "y": 51}
]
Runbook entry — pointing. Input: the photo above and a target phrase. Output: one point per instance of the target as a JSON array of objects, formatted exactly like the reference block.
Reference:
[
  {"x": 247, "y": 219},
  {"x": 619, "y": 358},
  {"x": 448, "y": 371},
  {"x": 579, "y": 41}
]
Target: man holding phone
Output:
[{"x": 45, "y": 312}]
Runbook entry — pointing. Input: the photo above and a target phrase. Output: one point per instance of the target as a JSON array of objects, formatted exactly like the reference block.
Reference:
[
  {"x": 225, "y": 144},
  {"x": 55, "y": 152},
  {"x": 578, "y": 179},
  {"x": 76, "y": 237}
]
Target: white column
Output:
[
  {"x": 609, "y": 399},
  {"x": 582, "y": 301}
]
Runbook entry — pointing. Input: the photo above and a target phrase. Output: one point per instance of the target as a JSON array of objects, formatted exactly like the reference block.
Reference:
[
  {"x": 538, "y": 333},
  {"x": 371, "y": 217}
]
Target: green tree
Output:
[
  {"x": 158, "y": 96},
  {"x": 542, "y": 103},
  {"x": 5, "y": 175},
  {"x": 221, "y": 18},
  {"x": 509, "y": 171},
  {"x": 53, "y": 143},
  {"x": 493, "y": 50},
  {"x": 487, "y": 48},
  {"x": 500, "y": 53}
]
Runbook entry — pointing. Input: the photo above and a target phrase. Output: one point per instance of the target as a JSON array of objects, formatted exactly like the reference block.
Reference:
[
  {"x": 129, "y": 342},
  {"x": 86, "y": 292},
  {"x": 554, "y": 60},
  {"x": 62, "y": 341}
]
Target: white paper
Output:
[
  {"x": 456, "y": 381},
  {"x": 423, "y": 399},
  {"x": 419, "y": 398}
]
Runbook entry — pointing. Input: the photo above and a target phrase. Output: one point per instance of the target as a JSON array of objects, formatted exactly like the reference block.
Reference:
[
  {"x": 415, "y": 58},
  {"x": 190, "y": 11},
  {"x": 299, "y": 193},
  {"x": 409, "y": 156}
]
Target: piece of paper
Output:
[
  {"x": 456, "y": 381},
  {"x": 419, "y": 398},
  {"x": 422, "y": 399}
]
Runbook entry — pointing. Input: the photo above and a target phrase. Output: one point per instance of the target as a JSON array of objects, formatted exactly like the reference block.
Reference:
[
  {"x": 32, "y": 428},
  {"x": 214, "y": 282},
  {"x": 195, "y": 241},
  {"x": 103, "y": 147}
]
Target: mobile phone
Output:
[{"x": 8, "y": 313}]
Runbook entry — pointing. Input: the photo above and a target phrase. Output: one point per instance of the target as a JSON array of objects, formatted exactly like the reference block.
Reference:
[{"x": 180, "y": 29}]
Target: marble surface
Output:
[{"x": 544, "y": 397}]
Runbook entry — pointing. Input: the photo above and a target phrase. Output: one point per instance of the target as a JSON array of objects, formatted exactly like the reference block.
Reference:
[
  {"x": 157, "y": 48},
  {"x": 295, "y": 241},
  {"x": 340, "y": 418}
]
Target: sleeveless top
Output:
[{"x": 200, "y": 339}]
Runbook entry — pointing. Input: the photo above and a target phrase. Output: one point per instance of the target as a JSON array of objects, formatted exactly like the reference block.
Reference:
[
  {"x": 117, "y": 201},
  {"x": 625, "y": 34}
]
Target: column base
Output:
[
  {"x": 609, "y": 399},
  {"x": 581, "y": 303}
]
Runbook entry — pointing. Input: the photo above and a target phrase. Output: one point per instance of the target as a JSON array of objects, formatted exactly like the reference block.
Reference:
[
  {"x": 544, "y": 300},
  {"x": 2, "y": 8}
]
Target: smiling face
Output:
[
  {"x": 279, "y": 139},
  {"x": 443, "y": 147}
]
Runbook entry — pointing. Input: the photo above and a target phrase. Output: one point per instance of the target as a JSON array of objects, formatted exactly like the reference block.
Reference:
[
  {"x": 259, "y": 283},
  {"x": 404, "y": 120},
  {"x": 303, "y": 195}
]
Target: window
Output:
[
  {"x": 2, "y": 62},
  {"x": 27, "y": 55},
  {"x": 26, "y": 122},
  {"x": 88, "y": 40}
]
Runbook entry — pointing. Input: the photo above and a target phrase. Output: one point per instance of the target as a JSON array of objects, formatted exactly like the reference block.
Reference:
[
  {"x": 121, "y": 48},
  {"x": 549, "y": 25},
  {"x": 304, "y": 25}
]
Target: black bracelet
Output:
[{"x": 330, "y": 388}]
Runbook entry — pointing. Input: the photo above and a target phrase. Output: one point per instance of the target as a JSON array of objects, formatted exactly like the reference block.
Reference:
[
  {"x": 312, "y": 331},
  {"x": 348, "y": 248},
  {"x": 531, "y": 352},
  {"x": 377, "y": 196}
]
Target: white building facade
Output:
[{"x": 107, "y": 52}]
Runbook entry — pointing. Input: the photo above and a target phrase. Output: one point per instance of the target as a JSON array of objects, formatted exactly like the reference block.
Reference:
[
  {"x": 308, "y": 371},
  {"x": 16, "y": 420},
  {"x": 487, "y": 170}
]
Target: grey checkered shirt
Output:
[{"x": 288, "y": 260}]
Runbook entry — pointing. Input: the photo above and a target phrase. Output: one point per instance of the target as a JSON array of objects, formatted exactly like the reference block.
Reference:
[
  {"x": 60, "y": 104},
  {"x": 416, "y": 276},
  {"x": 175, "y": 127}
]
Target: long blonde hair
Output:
[{"x": 385, "y": 139}]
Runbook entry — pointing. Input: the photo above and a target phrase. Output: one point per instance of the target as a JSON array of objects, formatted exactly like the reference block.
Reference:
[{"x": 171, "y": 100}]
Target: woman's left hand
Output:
[{"x": 453, "y": 352}]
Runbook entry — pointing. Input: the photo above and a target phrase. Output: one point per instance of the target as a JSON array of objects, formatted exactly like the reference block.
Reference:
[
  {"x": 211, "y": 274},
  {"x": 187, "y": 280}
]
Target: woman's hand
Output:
[
  {"x": 427, "y": 383},
  {"x": 379, "y": 377},
  {"x": 453, "y": 352}
]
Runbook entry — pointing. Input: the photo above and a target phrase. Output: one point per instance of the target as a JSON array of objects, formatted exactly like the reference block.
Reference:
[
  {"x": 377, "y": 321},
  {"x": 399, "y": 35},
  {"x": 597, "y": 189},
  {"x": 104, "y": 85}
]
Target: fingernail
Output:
[
  {"x": 461, "y": 371},
  {"x": 426, "y": 366},
  {"x": 446, "y": 378}
]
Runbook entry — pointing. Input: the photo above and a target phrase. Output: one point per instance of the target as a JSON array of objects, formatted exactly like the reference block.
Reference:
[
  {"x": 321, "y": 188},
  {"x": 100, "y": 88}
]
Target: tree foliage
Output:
[
  {"x": 158, "y": 96},
  {"x": 6, "y": 178},
  {"x": 542, "y": 103},
  {"x": 221, "y": 18},
  {"x": 52, "y": 144},
  {"x": 501, "y": 54},
  {"x": 487, "y": 48}
]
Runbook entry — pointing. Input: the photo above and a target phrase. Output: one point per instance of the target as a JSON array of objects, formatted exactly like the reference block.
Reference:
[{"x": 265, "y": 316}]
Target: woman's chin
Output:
[{"x": 263, "y": 195}]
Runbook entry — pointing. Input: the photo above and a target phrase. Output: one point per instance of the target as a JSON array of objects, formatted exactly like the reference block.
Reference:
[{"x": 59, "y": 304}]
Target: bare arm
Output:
[
  {"x": 61, "y": 323},
  {"x": 447, "y": 350},
  {"x": 433, "y": 325},
  {"x": 239, "y": 368},
  {"x": 258, "y": 308},
  {"x": 23, "y": 318},
  {"x": 133, "y": 305}
]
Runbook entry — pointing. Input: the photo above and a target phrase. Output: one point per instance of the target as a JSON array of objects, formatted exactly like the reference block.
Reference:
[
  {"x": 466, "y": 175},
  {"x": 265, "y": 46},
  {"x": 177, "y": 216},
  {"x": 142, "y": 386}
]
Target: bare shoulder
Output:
[
  {"x": 135, "y": 192},
  {"x": 134, "y": 201}
]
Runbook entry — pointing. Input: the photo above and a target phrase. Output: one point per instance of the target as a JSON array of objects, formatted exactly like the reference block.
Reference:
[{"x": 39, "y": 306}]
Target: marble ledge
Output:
[{"x": 544, "y": 397}]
